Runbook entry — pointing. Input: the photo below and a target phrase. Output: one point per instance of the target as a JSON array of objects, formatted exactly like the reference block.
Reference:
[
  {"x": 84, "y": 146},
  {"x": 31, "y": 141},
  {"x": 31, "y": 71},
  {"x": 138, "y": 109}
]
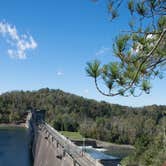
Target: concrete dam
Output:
[{"x": 50, "y": 148}]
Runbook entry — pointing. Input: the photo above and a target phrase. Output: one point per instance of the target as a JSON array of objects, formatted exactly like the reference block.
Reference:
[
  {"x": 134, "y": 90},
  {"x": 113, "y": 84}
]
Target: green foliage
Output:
[
  {"x": 131, "y": 6},
  {"x": 93, "y": 69},
  {"x": 140, "y": 51},
  {"x": 14, "y": 117}
]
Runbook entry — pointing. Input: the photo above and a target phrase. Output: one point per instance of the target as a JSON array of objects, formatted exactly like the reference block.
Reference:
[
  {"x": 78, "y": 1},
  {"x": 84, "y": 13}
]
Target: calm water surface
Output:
[{"x": 14, "y": 149}]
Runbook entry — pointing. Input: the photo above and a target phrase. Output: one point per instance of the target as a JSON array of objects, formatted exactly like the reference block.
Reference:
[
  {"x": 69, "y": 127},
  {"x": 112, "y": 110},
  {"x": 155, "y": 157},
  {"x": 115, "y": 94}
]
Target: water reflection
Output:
[{"x": 14, "y": 148}]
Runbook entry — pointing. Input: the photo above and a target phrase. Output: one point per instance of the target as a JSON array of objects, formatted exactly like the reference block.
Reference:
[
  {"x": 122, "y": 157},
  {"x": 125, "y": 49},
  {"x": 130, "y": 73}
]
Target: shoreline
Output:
[
  {"x": 111, "y": 144},
  {"x": 21, "y": 125}
]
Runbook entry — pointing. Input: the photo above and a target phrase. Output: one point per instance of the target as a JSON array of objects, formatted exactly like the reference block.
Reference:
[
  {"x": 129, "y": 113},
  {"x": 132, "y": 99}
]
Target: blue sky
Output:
[{"x": 66, "y": 34}]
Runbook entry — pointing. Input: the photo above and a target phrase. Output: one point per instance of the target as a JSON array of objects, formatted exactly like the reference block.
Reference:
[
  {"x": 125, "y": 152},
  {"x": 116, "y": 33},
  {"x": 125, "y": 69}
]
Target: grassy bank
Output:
[{"x": 72, "y": 135}]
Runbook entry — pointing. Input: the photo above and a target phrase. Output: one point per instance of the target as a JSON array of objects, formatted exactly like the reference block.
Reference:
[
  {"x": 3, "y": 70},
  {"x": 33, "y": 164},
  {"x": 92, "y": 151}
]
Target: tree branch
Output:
[{"x": 136, "y": 75}]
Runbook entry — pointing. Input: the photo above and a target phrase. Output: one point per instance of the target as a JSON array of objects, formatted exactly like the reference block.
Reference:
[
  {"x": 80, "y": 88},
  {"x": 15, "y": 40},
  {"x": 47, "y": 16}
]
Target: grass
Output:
[{"x": 72, "y": 135}]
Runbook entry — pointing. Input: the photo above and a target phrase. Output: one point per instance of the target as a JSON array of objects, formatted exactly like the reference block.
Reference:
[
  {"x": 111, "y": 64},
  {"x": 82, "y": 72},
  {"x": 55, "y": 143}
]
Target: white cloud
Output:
[
  {"x": 102, "y": 51},
  {"x": 150, "y": 36},
  {"x": 137, "y": 49},
  {"x": 59, "y": 73},
  {"x": 86, "y": 91},
  {"x": 139, "y": 46},
  {"x": 19, "y": 44}
]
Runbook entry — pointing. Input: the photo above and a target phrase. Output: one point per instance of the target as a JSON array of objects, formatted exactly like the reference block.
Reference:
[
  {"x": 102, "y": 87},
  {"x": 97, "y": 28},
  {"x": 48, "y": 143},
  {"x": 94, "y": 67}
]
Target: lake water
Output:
[{"x": 14, "y": 148}]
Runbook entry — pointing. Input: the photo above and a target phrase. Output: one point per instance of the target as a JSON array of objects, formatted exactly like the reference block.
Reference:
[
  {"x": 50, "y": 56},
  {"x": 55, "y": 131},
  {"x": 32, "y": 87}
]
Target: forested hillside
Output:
[{"x": 142, "y": 127}]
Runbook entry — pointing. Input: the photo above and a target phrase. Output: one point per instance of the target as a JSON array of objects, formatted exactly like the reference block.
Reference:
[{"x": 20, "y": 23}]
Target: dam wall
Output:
[
  {"x": 49, "y": 153},
  {"x": 50, "y": 148}
]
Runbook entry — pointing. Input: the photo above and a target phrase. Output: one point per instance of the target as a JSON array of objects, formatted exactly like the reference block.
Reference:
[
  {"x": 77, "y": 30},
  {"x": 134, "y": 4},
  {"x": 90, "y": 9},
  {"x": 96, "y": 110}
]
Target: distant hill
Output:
[{"x": 142, "y": 127}]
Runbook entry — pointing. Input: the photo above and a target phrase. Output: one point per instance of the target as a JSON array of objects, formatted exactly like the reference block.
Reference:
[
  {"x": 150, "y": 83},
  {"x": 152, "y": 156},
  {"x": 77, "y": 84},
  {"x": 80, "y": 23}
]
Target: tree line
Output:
[{"x": 142, "y": 127}]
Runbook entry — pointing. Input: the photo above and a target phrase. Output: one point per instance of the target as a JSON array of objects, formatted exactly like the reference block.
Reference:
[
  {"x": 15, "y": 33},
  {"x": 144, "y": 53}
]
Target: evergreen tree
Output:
[{"x": 140, "y": 51}]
